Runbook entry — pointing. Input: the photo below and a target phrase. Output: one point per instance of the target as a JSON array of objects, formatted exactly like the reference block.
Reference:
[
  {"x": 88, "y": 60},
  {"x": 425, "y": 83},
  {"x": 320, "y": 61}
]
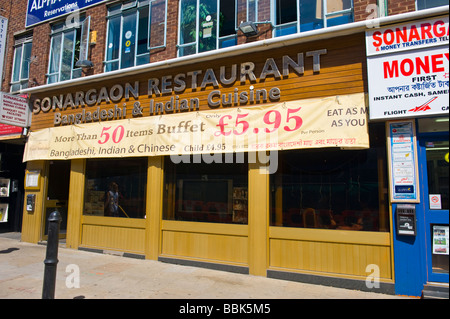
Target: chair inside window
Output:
[{"x": 309, "y": 218}]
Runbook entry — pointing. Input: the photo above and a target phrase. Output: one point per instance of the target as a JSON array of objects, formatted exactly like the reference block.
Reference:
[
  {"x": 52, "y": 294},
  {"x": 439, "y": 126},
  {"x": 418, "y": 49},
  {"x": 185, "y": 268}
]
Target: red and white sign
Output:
[
  {"x": 403, "y": 37},
  {"x": 408, "y": 70},
  {"x": 14, "y": 110},
  {"x": 10, "y": 130},
  {"x": 435, "y": 201},
  {"x": 412, "y": 84}
]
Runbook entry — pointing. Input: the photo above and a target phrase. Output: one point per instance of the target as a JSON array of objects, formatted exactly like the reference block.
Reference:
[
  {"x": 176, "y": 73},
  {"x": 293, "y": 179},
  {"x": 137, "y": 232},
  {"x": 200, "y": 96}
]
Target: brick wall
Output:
[
  {"x": 400, "y": 6},
  {"x": 15, "y": 11}
]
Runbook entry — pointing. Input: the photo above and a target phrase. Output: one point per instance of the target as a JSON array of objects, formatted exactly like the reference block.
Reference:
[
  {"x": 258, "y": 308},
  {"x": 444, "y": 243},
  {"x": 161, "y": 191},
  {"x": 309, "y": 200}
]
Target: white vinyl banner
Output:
[{"x": 338, "y": 121}]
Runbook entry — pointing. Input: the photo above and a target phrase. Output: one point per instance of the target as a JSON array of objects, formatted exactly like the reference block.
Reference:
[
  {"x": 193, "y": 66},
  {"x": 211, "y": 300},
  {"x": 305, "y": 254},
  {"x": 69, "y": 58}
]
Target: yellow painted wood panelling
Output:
[
  {"x": 32, "y": 221},
  {"x": 76, "y": 202},
  {"x": 326, "y": 235},
  {"x": 330, "y": 251},
  {"x": 206, "y": 228},
  {"x": 155, "y": 177},
  {"x": 208, "y": 247},
  {"x": 123, "y": 234},
  {"x": 258, "y": 218}
]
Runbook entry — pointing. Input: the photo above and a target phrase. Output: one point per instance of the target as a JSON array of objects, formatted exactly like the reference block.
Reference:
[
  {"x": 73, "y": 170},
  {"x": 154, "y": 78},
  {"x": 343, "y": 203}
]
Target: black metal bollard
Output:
[{"x": 51, "y": 258}]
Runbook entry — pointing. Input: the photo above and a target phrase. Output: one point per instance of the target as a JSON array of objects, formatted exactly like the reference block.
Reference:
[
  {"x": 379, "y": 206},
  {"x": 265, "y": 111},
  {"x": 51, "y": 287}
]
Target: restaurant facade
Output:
[{"x": 254, "y": 154}]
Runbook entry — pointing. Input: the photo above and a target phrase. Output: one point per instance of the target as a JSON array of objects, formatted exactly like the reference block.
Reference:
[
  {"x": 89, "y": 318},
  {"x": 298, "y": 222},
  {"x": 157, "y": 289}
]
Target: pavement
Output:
[{"x": 89, "y": 275}]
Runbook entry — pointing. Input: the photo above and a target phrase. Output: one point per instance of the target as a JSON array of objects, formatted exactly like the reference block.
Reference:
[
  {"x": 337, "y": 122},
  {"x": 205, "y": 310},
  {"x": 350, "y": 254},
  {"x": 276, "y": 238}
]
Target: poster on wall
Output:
[
  {"x": 440, "y": 240},
  {"x": 14, "y": 110},
  {"x": 403, "y": 162},
  {"x": 3, "y": 213},
  {"x": 408, "y": 69}
]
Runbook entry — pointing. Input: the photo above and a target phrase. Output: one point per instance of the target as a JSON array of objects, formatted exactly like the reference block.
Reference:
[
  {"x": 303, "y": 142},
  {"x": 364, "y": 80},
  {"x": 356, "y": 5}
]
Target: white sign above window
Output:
[{"x": 408, "y": 70}]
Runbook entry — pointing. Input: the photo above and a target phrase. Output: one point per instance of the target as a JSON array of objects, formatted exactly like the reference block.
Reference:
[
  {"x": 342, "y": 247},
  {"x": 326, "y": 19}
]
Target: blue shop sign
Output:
[{"x": 42, "y": 10}]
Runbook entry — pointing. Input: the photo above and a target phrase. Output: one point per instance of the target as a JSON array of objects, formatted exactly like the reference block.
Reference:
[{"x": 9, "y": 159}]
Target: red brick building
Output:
[{"x": 136, "y": 105}]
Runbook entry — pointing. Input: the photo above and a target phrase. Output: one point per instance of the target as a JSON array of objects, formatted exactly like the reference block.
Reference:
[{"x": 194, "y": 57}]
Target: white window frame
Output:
[
  {"x": 22, "y": 81},
  {"x": 219, "y": 40},
  {"x": 127, "y": 7},
  {"x": 61, "y": 29}
]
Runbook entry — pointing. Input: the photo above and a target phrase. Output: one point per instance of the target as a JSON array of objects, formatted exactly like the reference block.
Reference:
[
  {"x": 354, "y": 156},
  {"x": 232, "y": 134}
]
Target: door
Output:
[
  {"x": 434, "y": 158},
  {"x": 57, "y": 195}
]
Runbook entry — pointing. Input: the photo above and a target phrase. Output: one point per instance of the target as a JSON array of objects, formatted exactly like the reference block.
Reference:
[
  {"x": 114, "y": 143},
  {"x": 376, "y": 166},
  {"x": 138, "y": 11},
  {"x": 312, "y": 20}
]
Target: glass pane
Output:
[
  {"x": 67, "y": 56},
  {"x": 112, "y": 52},
  {"x": 111, "y": 66},
  {"x": 439, "y": 259},
  {"x": 215, "y": 193},
  {"x": 17, "y": 62},
  {"x": 187, "y": 50},
  {"x": 227, "y": 19},
  {"x": 286, "y": 11},
  {"x": 228, "y": 41},
  {"x": 310, "y": 15},
  {"x": 116, "y": 187},
  {"x": 252, "y": 10},
  {"x": 428, "y": 125},
  {"x": 76, "y": 73},
  {"x": 426, "y": 4},
  {"x": 52, "y": 79},
  {"x": 15, "y": 87},
  {"x": 143, "y": 59},
  {"x": 208, "y": 25},
  {"x": 338, "y": 5},
  {"x": 188, "y": 20},
  {"x": 55, "y": 54},
  {"x": 143, "y": 31},
  {"x": 128, "y": 40},
  {"x": 84, "y": 39},
  {"x": 332, "y": 189},
  {"x": 438, "y": 171},
  {"x": 26, "y": 61}
]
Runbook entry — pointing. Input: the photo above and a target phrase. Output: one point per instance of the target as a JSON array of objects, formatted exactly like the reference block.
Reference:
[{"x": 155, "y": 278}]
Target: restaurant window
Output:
[
  {"x": 332, "y": 188},
  {"x": 127, "y": 43},
  {"x": 202, "y": 192},
  {"x": 65, "y": 50},
  {"x": 21, "y": 64},
  {"x": 426, "y": 4},
  {"x": 206, "y": 25},
  {"x": 116, "y": 187},
  {"x": 292, "y": 16}
]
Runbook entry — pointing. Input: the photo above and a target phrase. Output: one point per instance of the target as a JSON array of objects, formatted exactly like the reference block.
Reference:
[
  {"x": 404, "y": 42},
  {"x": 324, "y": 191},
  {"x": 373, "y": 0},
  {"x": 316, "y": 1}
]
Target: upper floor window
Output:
[
  {"x": 21, "y": 64},
  {"x": 292, "y": 16},
  {"x": 426, "y": 4},
  {"x": 127, "y": 42},
  {"x": 65, "y": 50},
  {"x": 206, "y": 25},
  {"x": 134, "y": 28}
]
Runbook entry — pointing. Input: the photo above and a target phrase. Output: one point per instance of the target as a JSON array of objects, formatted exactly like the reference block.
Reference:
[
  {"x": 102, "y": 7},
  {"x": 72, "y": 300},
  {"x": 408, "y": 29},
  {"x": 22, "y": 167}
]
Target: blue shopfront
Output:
[
  {"x": 421, "y": 255},
  {"x": 408, "y": 90}
]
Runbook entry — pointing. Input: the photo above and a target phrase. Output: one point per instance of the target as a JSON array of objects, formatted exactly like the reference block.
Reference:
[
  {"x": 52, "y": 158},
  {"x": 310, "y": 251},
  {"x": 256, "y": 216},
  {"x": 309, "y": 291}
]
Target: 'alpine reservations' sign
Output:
[{"x": 42, "y": 10}]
